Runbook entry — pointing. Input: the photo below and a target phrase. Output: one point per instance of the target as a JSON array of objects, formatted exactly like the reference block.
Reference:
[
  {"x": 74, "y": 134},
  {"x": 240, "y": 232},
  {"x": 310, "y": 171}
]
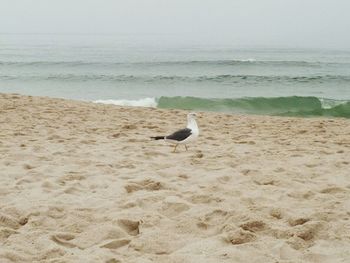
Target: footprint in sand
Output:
[
  {"x": 253, "y": 226},
  {"x": 265, "y": 180},
  {"x": 333, "y": 190},
  {"x": 72, "y": 190},
  {"x": 9, "y": 257},
  {"x": 276, "y": 213},
  {"x": 114, "y": 244},
  {"x": 63, "y": 240},
  {"x": 242, "y": 230},
  {"x": 107, "y": 236},
  {"x": 73, "y": 176},
  {"x": 216, "y": 217},
  {"x": 298, "y": 221},
  {"x": 6, "y": 233},
  {"x": 10, "y": 222},
  {"x": 147, "y": 184},
  {"x": 28, "y": 167},
  {"x": 307, "y": 231},
  {"x": 158, "y": 242},
  {"x": 204, "y": 199},
  {"x": 237, "y": 236},
  {"x": 50, "y": 254},
  {"x": 130, "y": 226},
  {"x": 173, "y": 206}
]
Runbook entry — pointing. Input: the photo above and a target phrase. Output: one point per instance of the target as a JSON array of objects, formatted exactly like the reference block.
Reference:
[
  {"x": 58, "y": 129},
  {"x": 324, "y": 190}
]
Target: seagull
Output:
[{"x": 183, "y": 136}]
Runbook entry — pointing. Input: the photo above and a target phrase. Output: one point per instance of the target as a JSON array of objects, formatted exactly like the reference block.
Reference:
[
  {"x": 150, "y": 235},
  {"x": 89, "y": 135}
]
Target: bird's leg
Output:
[
  {"x": 185, "y": 146},
  {"x": 175, "y": 148}
]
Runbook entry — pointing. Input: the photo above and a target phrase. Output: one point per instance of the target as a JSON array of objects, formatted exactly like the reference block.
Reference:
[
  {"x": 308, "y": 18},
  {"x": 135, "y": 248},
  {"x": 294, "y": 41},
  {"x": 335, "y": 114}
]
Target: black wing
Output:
[{"x": 180, "y": 135}]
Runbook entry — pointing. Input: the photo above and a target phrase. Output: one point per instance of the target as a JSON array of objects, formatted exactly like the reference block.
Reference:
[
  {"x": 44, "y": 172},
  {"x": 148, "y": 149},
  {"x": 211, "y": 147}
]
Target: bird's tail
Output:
[{"x": 158, "y": 137}]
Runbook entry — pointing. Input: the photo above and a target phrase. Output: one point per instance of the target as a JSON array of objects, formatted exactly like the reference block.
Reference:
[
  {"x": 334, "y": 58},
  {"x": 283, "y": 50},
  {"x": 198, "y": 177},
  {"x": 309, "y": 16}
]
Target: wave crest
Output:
[
  {"x": 146, "y": 102},
  {"x": 166, "y": 79},
  {"x": 282, "y": 106}
]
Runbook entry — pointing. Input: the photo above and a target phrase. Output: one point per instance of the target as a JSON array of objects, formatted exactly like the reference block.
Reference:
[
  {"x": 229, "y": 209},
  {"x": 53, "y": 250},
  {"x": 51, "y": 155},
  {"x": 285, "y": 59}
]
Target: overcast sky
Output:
[{"x": 298, "y": 23}]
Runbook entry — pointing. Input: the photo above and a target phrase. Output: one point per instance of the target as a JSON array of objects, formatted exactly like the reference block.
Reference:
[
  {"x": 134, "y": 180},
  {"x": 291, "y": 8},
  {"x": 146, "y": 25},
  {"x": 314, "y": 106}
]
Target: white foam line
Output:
[{"x": 145, "y": 102}]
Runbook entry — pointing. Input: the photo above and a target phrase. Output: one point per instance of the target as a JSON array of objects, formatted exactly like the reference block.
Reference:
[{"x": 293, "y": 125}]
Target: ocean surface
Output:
[{"x": 148, "y": 71}]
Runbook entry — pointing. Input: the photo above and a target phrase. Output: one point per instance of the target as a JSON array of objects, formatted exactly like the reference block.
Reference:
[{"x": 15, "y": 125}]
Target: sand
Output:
[{"x": 82, "y": 182}]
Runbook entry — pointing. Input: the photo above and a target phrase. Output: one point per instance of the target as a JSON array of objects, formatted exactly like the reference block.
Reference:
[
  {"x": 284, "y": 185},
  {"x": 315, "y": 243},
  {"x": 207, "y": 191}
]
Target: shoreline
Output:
[
  {"x": 269, "y": 106},
  {"x": 83, "y": 181}
]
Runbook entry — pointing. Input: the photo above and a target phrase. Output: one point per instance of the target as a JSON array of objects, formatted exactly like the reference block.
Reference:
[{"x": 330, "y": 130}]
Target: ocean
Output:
[{"x": 148, "y": 71}]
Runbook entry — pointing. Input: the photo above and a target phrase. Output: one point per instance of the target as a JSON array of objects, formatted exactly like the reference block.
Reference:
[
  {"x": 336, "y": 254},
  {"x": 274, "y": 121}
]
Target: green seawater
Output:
[{"x": 281, "y": 106}]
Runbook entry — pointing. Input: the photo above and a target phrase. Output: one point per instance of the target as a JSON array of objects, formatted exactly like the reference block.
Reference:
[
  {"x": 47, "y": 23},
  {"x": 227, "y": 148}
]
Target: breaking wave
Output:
[{"x": 280, "y": 106}]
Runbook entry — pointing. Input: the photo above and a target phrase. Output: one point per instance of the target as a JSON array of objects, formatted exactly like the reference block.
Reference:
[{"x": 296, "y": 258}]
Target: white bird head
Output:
[{"x": 191, "y": 115}]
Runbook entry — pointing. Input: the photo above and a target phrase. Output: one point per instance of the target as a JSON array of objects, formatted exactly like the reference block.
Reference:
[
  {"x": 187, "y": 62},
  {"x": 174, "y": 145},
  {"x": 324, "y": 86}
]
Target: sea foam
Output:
[{"x": 145, "y": 102}]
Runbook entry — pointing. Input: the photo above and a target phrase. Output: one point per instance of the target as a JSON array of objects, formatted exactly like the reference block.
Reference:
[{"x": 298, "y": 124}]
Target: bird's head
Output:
[{"x": 192, "y": 115}]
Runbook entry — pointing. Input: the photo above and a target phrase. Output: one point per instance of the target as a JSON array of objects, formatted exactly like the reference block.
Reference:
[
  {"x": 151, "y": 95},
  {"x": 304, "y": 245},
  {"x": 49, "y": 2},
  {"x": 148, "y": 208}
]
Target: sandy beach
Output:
[{"x": 83, "y": 182}]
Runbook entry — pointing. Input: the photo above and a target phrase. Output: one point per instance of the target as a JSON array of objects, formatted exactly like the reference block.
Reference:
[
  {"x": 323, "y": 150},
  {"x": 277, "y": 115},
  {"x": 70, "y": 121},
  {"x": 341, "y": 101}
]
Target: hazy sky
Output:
[{"x": 296, "y": 23}]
